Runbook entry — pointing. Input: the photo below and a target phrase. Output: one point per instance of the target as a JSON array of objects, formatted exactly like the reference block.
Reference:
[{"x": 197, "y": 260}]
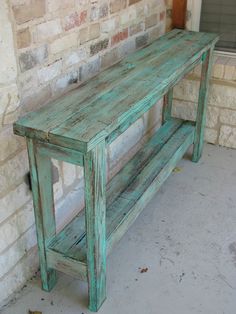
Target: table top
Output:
[{"x": 89, "y": 114}]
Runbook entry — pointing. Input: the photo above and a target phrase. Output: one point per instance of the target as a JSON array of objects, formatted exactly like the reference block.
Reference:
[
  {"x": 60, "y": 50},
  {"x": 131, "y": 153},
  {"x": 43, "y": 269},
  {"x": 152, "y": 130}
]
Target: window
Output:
[{"x": 219, "y": 16}]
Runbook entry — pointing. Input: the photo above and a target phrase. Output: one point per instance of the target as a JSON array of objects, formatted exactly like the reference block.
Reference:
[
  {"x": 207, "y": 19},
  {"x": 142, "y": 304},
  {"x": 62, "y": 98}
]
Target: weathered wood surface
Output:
[
  {"x": 41, "y": 179},
  {"x": 67, "y": 265},
  {"x": 76, "y": 129},
  {"x": 95, "y": 219},
  {"x": 207, "y": 59},
  {"x": 118, "y": 95},
  {"x": 167, "y": 106},
  {"x": 61, "y": 153},
  {"x": 133, "y": 187}
]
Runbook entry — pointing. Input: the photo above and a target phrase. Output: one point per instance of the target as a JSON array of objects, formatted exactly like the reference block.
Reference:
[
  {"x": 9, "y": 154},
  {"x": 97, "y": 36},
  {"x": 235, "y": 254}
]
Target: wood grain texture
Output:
[
  {"x": 119, "y": 95},
  {"x": 41, "y": 178},
  {"x": 95, "y": 218},
  {"x": 76, "y": 129},
  {"x": 207, "y": 58},
  {"x": 149, "y": 168},
  {"x": 167, "y": 106},
  {"x": 61, "y": 153},
  {"x": 67, "y": 265}
]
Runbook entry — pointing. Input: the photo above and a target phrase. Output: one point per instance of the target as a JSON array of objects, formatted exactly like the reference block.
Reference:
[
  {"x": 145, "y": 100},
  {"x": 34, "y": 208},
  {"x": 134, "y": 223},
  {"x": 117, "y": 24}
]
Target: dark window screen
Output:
[{"x": 219, "y": 16}]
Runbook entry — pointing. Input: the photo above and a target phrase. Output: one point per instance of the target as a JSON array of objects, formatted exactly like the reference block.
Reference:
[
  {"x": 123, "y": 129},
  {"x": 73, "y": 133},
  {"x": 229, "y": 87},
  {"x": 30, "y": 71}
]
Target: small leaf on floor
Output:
[
  {"x": 34, "y": 312},
  {"x": 177, "y": 169}
]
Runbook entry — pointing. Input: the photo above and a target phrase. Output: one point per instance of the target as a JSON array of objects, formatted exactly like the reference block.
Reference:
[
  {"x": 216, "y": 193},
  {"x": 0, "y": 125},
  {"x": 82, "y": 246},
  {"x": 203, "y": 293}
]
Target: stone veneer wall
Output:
[
  {"x": 48, "y": 47},
  {"x": 221, "y": 115}
]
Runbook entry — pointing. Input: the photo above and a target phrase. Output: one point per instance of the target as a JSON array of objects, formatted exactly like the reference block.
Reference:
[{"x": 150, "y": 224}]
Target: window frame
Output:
[{"x": 193, "y": 23}]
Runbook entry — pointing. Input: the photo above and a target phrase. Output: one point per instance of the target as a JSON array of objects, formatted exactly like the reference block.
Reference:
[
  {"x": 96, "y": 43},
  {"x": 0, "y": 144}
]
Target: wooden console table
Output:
[{"x": 77, "y": 127}]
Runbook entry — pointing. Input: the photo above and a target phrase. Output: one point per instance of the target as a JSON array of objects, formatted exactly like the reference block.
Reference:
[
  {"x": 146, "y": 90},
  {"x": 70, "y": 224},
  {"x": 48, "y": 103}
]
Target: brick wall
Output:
[{"x": 47, "y": 48}]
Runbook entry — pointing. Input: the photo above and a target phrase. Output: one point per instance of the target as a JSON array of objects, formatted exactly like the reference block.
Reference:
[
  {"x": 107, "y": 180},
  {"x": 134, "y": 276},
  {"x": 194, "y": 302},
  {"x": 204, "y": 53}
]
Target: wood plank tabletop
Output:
[{"x": 87, "y": 115}]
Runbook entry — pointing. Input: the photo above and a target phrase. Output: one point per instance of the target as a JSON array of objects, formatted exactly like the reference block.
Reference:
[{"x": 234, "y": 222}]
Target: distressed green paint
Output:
[
  {"x": 95, "y": 217},
  {"x": 67, "y": 265},
  {"x": 207, "y": 59},
  {"x": 41, "y": 178},
  {"x": 61, "y": 153},
  {"x": 77, "y": 127},
  {"x": 167, "y": 106},
  {"x": 153, "y": 163},
  {"x": 120, "y": 94}
]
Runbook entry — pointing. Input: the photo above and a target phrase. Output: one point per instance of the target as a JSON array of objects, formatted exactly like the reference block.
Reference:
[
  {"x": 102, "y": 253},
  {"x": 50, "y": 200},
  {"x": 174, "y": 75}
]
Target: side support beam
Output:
[
  {"x": 42, "y": 188},
  {"x": 207, "y": 59},
  {"x": 95, "y": 215},
  {"x": 167, "y": 106}
]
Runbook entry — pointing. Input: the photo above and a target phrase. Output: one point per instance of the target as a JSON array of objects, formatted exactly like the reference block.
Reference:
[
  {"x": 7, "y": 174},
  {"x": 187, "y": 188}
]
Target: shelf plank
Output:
[
  {"x": 159, "y": 159},
  {"x": 75, "y": 231}
]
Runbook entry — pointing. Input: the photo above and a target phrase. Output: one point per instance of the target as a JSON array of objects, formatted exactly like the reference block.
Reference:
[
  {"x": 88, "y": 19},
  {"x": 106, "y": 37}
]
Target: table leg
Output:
[
  {"x": 95, "y": 213},
  {"x": 167, "y": 106},
  {"x": 202, "y": 104},
  {"x": 42, "y": 188}
]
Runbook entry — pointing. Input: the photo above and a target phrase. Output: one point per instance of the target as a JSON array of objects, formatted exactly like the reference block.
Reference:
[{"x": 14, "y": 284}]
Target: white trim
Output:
[
  {"x": 194, "y": 7},
  {"x": 221, "y": 53}
]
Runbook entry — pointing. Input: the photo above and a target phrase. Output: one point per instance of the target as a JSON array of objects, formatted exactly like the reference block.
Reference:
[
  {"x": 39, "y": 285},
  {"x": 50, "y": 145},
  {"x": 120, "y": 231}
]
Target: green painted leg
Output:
[
  {"x": 95, "y": 205},
  {"x": 207, "y": 59},
  {"x": 41, "y": 178},
  {"x": 167, "y": 106}
]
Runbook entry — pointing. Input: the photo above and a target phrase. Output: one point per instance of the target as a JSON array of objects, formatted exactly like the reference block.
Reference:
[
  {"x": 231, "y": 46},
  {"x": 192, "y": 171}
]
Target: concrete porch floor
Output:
[{"x": 186, "y": 240}]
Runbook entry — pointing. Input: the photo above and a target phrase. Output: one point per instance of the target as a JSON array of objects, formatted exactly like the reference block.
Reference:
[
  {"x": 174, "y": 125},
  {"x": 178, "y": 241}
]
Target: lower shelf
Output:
[{"x": 127, "y": 194}]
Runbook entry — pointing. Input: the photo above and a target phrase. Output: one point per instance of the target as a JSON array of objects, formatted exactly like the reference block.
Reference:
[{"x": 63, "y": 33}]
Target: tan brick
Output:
[
  {"x": 14, "y": 200},
  {"x": 48, "y": 29},
  {"x": 110, "y": 25},
  {"x": 212, "y": 116},
  {"x": 229, "y": 72},
  {"x": 151, "y": 20},
  {"x": 109, "y": 58},
  {"x": 84, "y": 35},
  {"x": 35, "y": 99},
  {"x": 63, "y": 43},
  {"x": 227, "y": 136},
  {"x": 219, "y": 67},
  {"x": 128, "y": 16},
  {"x": 155, "y": 33},
  {"x": 117, "y": 5},
  {"x": 9, "y": 144},
  {"x": 16, "y": 225},
  {"x": 135, "y": 28},
  {"x": 228, "y": 116},
  {"x": 133, "y": 1},
  {"x": 9, "y": 98},
  {"x": 8, "y": 64},
  {"x": 94, "y": 31},
  {"x": 26, "y": 12},
  {"x": 223, "y": 96},
  {"x": 17, "y": 166},
  {"x": 211, "y": 136},
  {"x": 54, "y": 5},
  {"x": 23, "y": 38}
]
